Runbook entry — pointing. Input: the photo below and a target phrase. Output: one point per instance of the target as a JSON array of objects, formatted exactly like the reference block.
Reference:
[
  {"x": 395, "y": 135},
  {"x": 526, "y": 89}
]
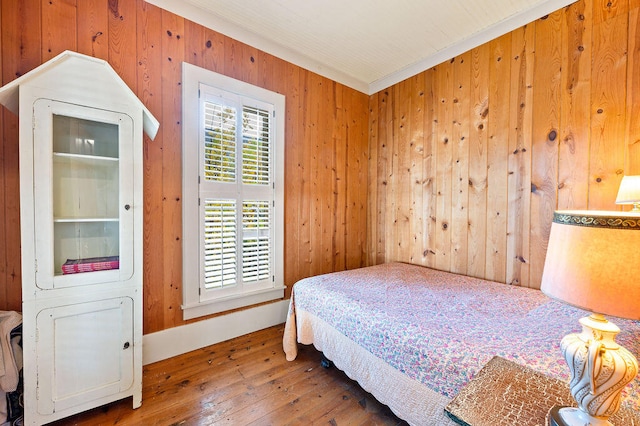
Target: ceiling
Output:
[{"x": 365, "y": 44}]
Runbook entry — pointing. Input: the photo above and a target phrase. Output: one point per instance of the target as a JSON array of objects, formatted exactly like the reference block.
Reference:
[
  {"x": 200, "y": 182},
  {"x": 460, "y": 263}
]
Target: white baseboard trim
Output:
[{"x": 179, "y": 340}]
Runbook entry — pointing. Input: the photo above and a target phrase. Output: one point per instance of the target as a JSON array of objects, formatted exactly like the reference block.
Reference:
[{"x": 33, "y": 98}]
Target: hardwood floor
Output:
[{"x": 244, "y": 381}]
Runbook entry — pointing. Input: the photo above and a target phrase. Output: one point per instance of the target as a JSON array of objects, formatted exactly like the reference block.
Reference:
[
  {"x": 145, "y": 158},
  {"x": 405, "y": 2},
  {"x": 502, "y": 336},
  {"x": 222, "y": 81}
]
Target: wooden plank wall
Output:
[
  {"x": 469, "y": 159},
  {"x": 326, "y": 137}
]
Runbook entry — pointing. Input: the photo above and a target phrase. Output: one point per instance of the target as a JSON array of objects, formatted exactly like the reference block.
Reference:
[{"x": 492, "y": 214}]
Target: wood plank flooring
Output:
[{"x": 244, "y": 381}]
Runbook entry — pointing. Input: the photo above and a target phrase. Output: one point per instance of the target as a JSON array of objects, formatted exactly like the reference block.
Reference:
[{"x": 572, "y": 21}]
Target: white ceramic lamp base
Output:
[
  {"x": 600, "y": 369},
  {"x": 570, "y": 416}
]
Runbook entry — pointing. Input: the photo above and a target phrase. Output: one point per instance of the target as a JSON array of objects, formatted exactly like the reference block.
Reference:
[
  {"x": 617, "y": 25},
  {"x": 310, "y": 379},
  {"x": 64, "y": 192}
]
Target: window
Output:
[{"x": 233, "y": 203}]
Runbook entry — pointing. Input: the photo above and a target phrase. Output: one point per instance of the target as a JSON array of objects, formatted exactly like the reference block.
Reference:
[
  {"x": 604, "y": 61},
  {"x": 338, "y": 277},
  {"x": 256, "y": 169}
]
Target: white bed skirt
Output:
[{"x": 408, "y": 399}]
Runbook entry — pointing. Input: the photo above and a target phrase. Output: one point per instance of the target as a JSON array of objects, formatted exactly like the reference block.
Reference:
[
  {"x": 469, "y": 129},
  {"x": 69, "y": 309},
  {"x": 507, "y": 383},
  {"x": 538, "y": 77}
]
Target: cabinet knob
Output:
[
  {"x": 127, "y": 206},
  {"x": 126, "y": 345}
]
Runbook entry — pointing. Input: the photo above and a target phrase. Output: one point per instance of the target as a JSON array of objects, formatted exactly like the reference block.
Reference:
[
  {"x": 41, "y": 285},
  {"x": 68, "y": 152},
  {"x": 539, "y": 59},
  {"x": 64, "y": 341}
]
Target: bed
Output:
[{"x": 414, "y": 336}]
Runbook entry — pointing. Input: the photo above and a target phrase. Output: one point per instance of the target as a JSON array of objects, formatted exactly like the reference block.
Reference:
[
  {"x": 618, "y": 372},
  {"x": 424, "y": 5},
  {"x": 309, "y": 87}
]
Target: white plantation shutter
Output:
[
  {"x": 220, "y": 243},
  {"x": 256, "y": 140},
  {"x": 219, "y": 142},
  {"x": 256, "y": 241},
  {"x": 237, "y": 194}
]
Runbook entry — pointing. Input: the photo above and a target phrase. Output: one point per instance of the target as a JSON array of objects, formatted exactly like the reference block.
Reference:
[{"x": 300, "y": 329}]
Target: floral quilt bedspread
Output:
[{"x": 440, "y": 328}]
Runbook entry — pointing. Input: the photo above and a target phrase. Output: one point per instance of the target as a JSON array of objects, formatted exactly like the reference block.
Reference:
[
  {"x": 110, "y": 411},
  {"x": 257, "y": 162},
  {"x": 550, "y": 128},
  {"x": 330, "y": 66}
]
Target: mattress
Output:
[{"x": 414, "y": 336}]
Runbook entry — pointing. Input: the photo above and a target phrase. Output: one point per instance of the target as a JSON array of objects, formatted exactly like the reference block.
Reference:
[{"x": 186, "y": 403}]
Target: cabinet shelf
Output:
[
  {"x": 84, "y": 219},
  {"x": 86, "y": 158}
]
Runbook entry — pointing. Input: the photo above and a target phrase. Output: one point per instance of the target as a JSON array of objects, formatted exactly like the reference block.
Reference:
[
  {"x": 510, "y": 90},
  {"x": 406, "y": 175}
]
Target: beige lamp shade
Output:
[
  {"x": 629, "y": 191},
  {"x": 593, "y": 262}
]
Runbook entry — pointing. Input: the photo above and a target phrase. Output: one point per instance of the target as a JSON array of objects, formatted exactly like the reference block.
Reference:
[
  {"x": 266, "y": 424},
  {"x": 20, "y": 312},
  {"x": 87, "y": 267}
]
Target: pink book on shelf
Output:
[{"x": 90, "y": 264}]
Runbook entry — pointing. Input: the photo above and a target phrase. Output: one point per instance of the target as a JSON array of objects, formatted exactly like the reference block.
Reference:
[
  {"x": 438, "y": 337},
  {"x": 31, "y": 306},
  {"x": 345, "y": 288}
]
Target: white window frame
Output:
[{"x": 198, "y": 301}]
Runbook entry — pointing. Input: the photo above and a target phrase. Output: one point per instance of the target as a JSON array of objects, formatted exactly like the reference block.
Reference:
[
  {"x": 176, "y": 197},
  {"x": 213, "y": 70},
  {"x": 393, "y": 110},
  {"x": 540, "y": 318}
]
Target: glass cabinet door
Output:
[{"x": 85, "y": 205}]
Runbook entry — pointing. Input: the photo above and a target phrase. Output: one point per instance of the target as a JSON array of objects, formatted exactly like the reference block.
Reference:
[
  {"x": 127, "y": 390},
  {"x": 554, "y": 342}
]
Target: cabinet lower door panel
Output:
[{"x": 85, "y": 353}]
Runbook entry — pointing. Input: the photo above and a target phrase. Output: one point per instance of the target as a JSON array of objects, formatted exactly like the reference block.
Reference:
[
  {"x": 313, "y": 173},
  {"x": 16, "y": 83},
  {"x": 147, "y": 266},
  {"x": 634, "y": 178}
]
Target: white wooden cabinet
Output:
[{"x": 81, "y": 206}]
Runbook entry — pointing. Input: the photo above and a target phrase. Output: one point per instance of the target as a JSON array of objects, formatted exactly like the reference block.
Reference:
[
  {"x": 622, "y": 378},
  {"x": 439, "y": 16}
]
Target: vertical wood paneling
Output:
[
  {"x": 172, "y": 48},
  {"x": 417, "y": 142},
  {"x": 552, "y": 115},
  {"x": 373, "y": 190},
  {"x": 58, "y": 27},
  {"x": 21, "y": 51},
  {"x": 326, "y": 137},
  {"x": 267, "y": 72},
  {"x": 443, "y": 128},
  {"x": 519, "y": 167},
  {"x": 460, "y": 164},
  {"x": 608, "y": 109},
  {"x": 303, "y": 198},
  {"x": 382, "y": 182},
  {"x": 204, "y": 47},
  {"x": 608, "y": 9},
  {"x": 389, "y": 187},
  {"x": 573, "y": 165},
  {"x": 632, "y": 163},
  {"x": 478, "y": 143},
  {"x": 122, "y": 40},
  {"x": 195, "y": 43},
  {"x": 429, "y": 169},
  {"x": 402, "y": 169},
  {"x": 313, "y": 105},
  {"x": 544, "y": 139},
  {"x": 339, "y": 180},
  {"x": 357, "y": 174},
  {"x": 149, "y": 20},
  {"x": 93, "y": 24},
  {"x": 392, "y": 187},
  {"x": 294, "y": 176},
  {"x": 497, "y": 157},
  {"x": 325, "y": 167},
  {"x": 232, "y": 62},
  {"x": 249, "y": 64},
  {"x": 214, "y": 59}
]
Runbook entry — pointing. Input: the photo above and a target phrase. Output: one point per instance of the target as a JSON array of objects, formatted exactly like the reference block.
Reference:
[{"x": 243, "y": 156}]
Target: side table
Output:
[{"x": 506, "y": 393}]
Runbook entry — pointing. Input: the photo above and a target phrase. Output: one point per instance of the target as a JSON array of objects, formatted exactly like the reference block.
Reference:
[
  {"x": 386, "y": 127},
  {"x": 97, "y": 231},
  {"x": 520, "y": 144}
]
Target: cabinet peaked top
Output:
[{"x": 67, "y": 73}]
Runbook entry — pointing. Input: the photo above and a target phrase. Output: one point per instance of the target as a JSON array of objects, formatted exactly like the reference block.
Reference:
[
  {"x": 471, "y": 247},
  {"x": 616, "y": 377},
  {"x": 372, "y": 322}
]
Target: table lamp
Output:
[
  {"x": 629, "y": 192},
  {"x": 593, "y": 263}
]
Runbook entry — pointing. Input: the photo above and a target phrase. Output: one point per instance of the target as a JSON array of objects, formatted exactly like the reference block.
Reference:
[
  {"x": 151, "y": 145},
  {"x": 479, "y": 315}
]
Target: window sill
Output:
[{"x": 215, "y": 306}]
